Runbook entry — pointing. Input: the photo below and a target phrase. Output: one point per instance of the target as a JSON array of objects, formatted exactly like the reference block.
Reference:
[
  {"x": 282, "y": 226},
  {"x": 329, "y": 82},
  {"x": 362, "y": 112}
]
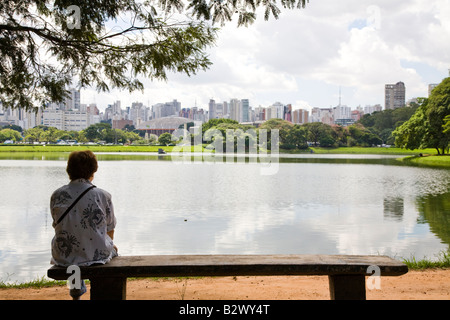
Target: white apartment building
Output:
[
  {"x": 75, "y": 120},
  {"x": 342, "y": 112},
  {"x": 66, "y": 120},
  {"x": 235, "y": 109},
  {"x": 371, "y": 109},
  {"x": 276, "y": 111}
]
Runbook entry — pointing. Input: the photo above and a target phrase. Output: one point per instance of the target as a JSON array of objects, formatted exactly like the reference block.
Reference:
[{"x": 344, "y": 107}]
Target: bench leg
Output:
[
  {"x": 347, "y": 287},
  {"x": 108, "y": 288}
]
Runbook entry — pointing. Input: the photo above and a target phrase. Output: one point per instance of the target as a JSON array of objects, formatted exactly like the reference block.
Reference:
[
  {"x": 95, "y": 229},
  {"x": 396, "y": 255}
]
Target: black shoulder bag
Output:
[{"x": 71, "y": 206}]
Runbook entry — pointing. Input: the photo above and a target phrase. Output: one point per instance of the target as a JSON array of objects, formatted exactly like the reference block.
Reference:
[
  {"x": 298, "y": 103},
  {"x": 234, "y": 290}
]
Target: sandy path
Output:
[{"x": 415, "y": 285}]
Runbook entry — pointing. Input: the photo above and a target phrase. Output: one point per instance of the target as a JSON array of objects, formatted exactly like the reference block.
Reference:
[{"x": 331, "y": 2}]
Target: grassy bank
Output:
[
  {"x": 442, "y": 261},
  {"x": 410, "y": 156},
  {"x": 372, "y": 150},
  {"x": 131, "y": 148},
  {"x": 69, "y": 148},
  {"x": 442, "y": 161}
]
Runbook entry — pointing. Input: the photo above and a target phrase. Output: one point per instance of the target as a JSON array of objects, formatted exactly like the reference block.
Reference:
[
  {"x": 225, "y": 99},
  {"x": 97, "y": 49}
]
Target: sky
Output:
[{"x": 312, "y": 56}]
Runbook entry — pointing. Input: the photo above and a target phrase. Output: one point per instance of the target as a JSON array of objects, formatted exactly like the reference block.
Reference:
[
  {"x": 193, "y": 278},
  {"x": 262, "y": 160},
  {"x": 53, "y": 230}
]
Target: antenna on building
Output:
[{"x": 339, "y": 96}]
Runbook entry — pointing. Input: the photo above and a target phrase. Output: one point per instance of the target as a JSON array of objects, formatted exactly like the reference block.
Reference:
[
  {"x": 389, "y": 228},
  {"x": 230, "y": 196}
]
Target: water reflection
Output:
[
  {"x": 393, "y": 208},
  {"x": 338, "y": 205},
  {"x": 434, "y": 210}
]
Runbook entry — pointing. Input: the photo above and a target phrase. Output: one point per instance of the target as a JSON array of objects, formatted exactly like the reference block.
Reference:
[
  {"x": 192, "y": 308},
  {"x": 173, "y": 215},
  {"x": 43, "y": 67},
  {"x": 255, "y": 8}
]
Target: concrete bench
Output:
[{"x": 346, "y": 272}]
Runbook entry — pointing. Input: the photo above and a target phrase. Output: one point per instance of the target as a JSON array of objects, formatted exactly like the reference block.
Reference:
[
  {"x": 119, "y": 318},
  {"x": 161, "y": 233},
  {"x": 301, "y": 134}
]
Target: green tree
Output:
[
  {"x": 317, "y": 131},
  {"x": 283, "y": 128},
  {"x": 96, "y": 132},
  {"x": 227, "y": 132},
  {"x": 411, "y": 133},
  {"x": 51, "y": 135},
  {"x": 10, "y": 134},
  {"x": 13, "y": 126},
  {"x": 46, "y": 45},
  {"x": 213, "y": 123},
  {"x": 33, "y": 134},
  {"x": 115, "y": 136},
  {"x": 438, "y": 109},
  {"x": 446, "y": 125},
  {"x": 131, "y": 137},
  {"x": 296, "y": 138},
  {"x": 165, "y": 139},
  {"x": 383, "y": 123},
  {"x": 361, "y": 136},
  {"x": 427, "y": 127}
]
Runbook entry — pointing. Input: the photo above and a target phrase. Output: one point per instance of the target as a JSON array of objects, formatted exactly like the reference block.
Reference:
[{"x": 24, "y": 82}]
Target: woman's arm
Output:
[{"x": 111, "y": 235}]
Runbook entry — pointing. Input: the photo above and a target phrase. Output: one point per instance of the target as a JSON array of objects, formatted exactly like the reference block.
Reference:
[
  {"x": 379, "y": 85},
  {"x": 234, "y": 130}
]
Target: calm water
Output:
[{"x": 312, "y": 204}]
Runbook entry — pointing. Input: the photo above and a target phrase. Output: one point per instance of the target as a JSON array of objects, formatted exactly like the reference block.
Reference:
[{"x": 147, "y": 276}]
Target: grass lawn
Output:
[
  {"x": 93, "y": 148},
  {"x": 115, "y": 148},
  {"x": 433, "y": 160},
  {"x": 373, "y": 150},
  {"x": 412, "y": 156}
]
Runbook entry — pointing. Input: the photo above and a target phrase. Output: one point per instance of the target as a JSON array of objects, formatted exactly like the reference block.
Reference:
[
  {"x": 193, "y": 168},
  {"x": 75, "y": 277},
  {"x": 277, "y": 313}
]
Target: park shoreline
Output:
[{"x": 423, "y": 157}]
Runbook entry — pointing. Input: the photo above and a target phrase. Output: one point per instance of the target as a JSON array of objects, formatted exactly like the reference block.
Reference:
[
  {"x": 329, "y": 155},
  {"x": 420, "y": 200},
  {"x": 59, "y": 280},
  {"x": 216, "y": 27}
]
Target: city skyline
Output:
[
  {"x": 74, "y": 115},
  {"x": 307, "y": 56}
]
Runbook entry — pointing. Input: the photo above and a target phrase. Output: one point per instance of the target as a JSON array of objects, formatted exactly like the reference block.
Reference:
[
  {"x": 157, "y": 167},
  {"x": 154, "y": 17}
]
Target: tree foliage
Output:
[
  {"x": 427, "y": 127},
  {"x": 94, "y": 133},
  {"x": 46, "y": 46},
  {"x": 165, "y": 139},
  {"x": 10, "y": 134},
  {"x": 383, "y": 123}
]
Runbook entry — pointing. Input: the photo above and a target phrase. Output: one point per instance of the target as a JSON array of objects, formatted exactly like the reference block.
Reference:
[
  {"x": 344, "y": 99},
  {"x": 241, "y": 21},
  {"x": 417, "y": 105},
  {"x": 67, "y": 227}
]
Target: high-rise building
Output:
[
  {"x": 300, "y": 116},
  {"x": 235, "y": 109},
  {"x": 342, "y": 112},
  {"x": 72, "y": 101},
  {"x": 245, "y": 109},
  {"x": 394, "y": 95},
  {"x": 162, "y": 110},
  {"x": 288, "y": 113},
  {"x": 212, "y": 109}
]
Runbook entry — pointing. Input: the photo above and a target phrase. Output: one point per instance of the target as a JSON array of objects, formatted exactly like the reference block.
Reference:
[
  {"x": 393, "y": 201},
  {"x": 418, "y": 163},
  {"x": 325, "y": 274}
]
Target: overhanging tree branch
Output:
[{"x": 40, "y": 54}]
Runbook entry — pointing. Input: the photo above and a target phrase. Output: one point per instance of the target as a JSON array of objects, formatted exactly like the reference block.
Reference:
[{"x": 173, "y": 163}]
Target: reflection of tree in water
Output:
[
  {"x": 393, "y": 208},
  {"x": 435, "y": 210}
]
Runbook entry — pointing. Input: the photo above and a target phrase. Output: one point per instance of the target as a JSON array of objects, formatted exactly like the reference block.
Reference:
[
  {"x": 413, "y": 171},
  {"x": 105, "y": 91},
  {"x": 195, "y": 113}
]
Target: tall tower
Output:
[
  {"x": 212, "y": 109},
  {"x": 244, "y": 110},
  {"x": 394, "y": 95}
]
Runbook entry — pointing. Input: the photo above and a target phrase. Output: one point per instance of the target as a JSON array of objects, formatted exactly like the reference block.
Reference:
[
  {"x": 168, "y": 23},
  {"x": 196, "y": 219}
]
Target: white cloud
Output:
[{"x": 307, "y": 54}]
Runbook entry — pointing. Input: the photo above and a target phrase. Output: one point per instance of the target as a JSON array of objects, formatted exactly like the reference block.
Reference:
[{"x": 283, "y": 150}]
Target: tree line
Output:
[
  {"x": 372, "y": 130},
  {"x": 94, "y": 133}
]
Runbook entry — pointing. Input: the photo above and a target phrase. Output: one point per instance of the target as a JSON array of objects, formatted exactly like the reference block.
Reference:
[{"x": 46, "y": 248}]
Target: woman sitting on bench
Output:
[{"x": 83, "y": 218}]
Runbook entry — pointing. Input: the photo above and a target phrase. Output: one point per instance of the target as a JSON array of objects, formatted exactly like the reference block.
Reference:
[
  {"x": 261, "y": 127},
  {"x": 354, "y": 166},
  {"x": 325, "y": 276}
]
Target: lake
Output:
[{"x": 311, "y": 204}]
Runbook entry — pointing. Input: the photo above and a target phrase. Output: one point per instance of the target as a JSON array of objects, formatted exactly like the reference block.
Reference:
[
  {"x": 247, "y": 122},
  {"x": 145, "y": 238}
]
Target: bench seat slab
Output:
[{"x": 346, "y": 272}]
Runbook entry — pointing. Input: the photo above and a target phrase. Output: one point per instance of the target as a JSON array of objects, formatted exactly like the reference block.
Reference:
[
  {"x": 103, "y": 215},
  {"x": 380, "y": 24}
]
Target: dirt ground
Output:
[{"x": 415, "y": 285}]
